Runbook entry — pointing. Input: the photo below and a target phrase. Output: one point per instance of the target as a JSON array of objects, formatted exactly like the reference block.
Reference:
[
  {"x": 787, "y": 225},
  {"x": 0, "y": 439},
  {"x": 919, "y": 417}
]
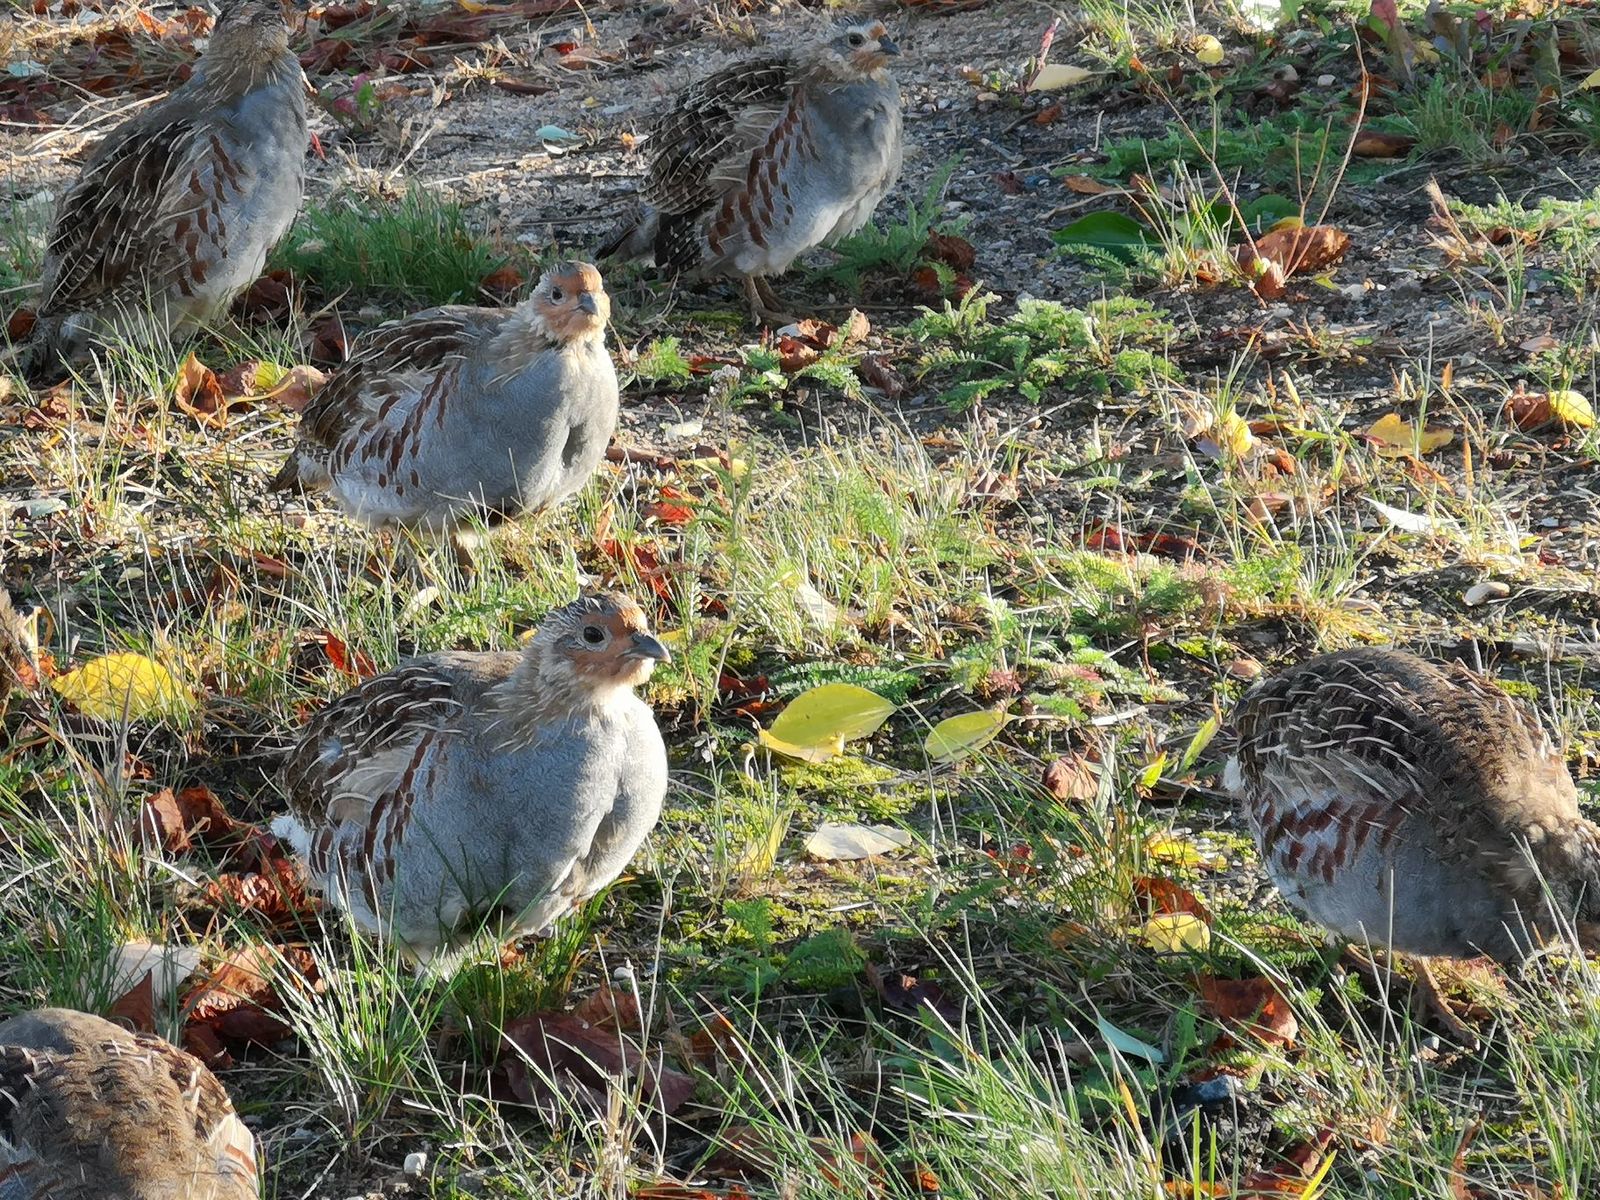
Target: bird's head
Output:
[
  {"x": 571, "y": 302},
  {"x": 247, "y": 27},
  {"x": 597, "y": 644},
  {"x": 859, "y": 50}
]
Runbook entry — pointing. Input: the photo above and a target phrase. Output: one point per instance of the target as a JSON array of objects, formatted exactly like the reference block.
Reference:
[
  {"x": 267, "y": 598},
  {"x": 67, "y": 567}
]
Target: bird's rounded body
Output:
[
  {"x": 459, "y": 413},
  {"x": 89, "y": 1111},
  {"x": 1413, "y": 806},
  {"x": 175, "y": 211},
  {"x": 468, "y": 788}
]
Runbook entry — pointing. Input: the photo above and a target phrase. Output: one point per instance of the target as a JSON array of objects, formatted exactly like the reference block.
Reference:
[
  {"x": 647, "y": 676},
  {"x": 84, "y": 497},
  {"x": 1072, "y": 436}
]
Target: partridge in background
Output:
[
  {"x": 458, "y": 412},
  {"x": 464, "y": 789},
  {"x": 759, "y": 163},
  {"x": 89, "y": 1111},
  {"x": 176, "y": 209},
  {"x": 1414, "y": 806}
]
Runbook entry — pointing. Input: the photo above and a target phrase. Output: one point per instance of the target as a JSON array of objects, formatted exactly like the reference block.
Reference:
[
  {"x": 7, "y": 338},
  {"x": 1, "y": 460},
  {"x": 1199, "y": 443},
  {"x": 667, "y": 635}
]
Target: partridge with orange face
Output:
[
  {"x": 759, "y": 163},
  {"x": 465, "y": 789},
  {"x": 459, "y": 413},
  {"x": 1414, "y": 806},
  {"x": 175, "y": 210},
  {"x": 89, "y": 1111}
]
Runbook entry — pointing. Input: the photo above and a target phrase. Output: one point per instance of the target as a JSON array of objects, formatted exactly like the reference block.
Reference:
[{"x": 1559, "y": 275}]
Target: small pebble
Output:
[
  {"x": 1326, "y": 81},
  {"x": 416, "y": 1162}
]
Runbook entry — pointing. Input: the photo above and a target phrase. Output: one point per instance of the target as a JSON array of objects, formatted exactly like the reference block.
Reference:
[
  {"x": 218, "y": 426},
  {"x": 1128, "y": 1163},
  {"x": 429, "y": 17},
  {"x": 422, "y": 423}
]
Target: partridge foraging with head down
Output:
[
  {"x": 176, "y": 209},
  {"x": 1414, "y": 806},
  {"x": 761, "y": 162},
  {"x": 89, "y": 1111},
  {"x": 469, "y": 788},
  {"x": 459, "y": 413}
]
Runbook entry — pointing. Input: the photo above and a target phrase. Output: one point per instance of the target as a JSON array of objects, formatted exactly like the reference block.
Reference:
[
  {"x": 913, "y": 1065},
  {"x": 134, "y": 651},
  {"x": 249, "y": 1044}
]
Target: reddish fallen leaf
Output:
[
  {"x": 521, "y": 87},
  {"x": 675, "y": 507},
  {"x": 1253, "y": 1007},
  {"x": 955, "y": 252},
  {"x": 1087, "y": 185},
  {"x": 1308, "y": 248},
  {"x": 795, "y": 354},
  {"x": 1111, "y": 539},
  {"x": 329, "y": 343},
  {"x": 199, "y": 393},
  {"x": 269, "y": 298},
  {"x": 1298, "y": 1164},
  {"x": 358, "y": 665},
  {"x": 1370, "y": 143},
  {"x": 905, "y": 993},
  {"x": 877, "y": 374},
  {"x": 237, "y": 1000},
  {"x": 175, "y": 821},
  {"x": 644, "y": 562},
  {"x": 1072, "y": 779},
  {"x": 276, "y": 894},
  {"x": 1016, "y": 862},
  {"x": 20, "y": 325},
  {"x": 608, "y": 1008},
  {"x": 502, "y": 284},
  {"x": 1010, "y": 183},
  {"x": 137, "y": 1008},
  {"x": 549, "y": 1060},
  {"x": 1154, "y": 896}
]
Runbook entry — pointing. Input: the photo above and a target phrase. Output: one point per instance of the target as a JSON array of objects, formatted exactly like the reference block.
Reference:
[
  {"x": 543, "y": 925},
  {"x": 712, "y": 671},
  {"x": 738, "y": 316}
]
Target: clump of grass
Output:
[
  {"x": 419, "y": 250},
  {"x": 1111, "y": 343}
]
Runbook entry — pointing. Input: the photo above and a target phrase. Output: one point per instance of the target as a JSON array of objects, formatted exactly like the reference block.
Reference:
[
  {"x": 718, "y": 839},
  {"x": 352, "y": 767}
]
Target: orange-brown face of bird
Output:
[
  {"x": 866, "y": 47},
  {"x": 571, "y": 300},
  {"x": 606, "y": 642}
]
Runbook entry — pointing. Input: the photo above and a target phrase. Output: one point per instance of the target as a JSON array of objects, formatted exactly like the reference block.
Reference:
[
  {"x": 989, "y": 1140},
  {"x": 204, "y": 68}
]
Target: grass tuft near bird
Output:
[
  {"x": 757, "y": 164},
  {"x": 89, "y": 1111},
  {"x": 464, "y": 789},
  {"x": 457, "y": 413},
  {"x": 175, "y": 211}
]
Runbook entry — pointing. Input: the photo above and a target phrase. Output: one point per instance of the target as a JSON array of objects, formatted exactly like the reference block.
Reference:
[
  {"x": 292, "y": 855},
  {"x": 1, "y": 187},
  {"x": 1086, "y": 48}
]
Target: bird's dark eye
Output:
[
  {"x": 856, "y": 39},
  {"x": 593, "y": 634},
  {"x": 555, "y": 293}
]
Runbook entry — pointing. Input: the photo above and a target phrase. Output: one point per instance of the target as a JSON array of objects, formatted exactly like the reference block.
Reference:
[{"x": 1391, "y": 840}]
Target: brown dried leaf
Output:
[
  {"x": 1072, "y": 779},
  {"x": 1370, "y": 143},
  {"x": 552, "y": 1059},
  {"x": 1254, "y": 1007},
  {"x": 1303, "y": 249},
  {"x": 1154, "y": 896},
  {"x": 199, "y": 393}
]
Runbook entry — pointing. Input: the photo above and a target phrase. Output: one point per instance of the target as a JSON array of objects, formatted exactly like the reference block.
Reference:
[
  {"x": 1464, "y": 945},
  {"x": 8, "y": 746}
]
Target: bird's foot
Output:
[{"x": 764, "y": 303}]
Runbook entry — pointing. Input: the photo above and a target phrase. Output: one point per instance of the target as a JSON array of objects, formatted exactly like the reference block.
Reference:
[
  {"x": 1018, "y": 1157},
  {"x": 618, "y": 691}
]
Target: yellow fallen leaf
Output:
[
  {"x": 1572, "y": 409},
  {"x": 1180, "y": 852},
  {"x": 817, "y": 723},
  {"x": 1591, "y": 81},
  {"x": 1291, "y": 222},
  {"x": 956, "y": 737},
  {"x": 1208, "y": 51},
  {"x": 1058, "y": 75},
  {"x": 1175, "y": 933},
  {"x": 1232, "y": 433},
  {"x": 118, "y": 684},
  {"x": 1398, "y": 438}
]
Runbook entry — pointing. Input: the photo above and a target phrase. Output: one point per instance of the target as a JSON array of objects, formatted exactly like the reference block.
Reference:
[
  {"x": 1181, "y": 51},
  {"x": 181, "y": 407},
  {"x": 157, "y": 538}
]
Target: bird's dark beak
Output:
[
  {"x": 588, "y": 303},
  {"x": 645, "y": 646},
  {"x": 887, "y": 46}
]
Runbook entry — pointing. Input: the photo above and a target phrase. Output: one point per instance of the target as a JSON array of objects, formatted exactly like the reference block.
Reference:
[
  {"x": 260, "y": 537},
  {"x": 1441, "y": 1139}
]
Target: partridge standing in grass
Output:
[
  {"x": 1415, "y": 807},
  {"x": 176, "y": 209},
  {"x": 89, "y": 1111},
  {"x": 459, "y": 413},
  {"x": 761, "y": 162},
  {"x": 464, "y": 789}
]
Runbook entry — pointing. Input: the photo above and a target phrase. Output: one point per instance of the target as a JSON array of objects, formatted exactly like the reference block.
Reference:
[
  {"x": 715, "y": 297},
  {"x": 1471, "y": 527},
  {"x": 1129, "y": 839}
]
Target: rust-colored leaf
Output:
[
  {"x": 236, "y": 1001},
  {"x": 548, "y": 1060},
  {"x": 608, "y": 1008},
  {"x": 276, "y": 894},
  {"x": 20, "y": 324},
  {"x": 1154, "y": 896},
  {"x": 1307, "y": 248},
  {"x": 877, "y": 374},
  {"x": 955, "y": 252},
  {"x": 502, "y": 284},
  {"x": 1252, "y": 1007},
  {"x": 1072, "y": 779},
  {"x": 1370, "y": 143},
  {"x": 199, "y": 393},
  {"x": 905, "y": 993},
  {"x": 357, "y": 664}
]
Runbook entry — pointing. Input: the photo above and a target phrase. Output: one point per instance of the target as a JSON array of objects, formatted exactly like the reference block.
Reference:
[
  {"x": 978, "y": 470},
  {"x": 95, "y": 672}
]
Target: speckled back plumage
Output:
[
  {"x": 756, "y": 164},
  {"x": 89, "y": 1111},
  {"x": 458, "y": 412},
  {"x": 1399, "y": 801},
  {"x": 175, "y": 211},
  {"x": 463, "y": 786}
]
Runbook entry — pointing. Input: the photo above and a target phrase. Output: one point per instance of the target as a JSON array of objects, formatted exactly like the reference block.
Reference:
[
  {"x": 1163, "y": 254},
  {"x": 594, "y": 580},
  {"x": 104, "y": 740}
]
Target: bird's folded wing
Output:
[
  {"x": 356, "y": 750},
  {"x": 715, "y": 125},
  {"x": 395, "y": 362},
  {"x": 114, "y": 227}
]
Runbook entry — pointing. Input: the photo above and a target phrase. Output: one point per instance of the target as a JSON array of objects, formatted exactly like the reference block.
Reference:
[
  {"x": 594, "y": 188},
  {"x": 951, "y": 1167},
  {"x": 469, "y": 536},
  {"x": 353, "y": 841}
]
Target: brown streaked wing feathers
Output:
[
  {"x": 107, "y": 227},
  {"x": 388, "y": 355},
  {"x": 722, "y": 116},
  {"x": 384, "y": 714}
]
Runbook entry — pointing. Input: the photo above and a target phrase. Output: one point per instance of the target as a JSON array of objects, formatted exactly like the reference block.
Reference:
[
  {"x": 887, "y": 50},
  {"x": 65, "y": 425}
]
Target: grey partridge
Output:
[
  {"x": 464, "y": 789},
  {"x": 458, "y": 413},
  {"x": 757, "y": 164},
  {"x": 175, "y": 211},
  {"x": 1414, "y": 806},
  {"x": 89, "y": 1111}
]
